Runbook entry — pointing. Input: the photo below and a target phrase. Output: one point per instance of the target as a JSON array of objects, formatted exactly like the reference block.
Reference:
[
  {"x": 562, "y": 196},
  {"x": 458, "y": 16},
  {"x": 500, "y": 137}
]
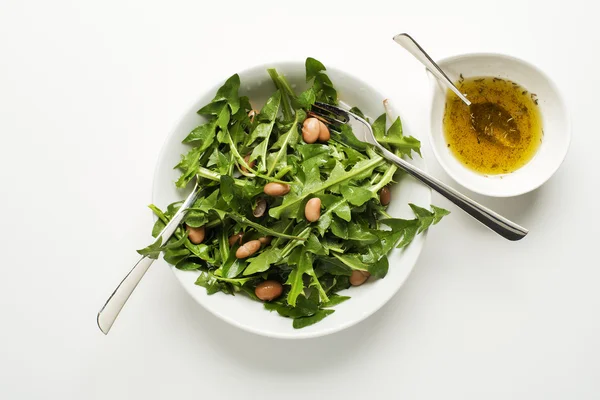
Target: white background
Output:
[{"x": 88, "y": 93}]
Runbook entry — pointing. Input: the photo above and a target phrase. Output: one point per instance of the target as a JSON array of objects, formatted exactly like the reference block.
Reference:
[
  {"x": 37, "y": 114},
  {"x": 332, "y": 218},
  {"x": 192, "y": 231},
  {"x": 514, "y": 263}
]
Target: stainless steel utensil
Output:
[
  {"x": 410, "y": 44},
  {"x": 335, "y": 116},
  {"x": 501, "y": 133},
  {"x": 111, "y": 309}
]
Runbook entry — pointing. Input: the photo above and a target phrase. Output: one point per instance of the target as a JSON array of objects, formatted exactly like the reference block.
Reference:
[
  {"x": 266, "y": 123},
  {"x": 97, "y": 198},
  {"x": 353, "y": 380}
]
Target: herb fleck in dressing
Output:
[{"x": 500, "y": 132}]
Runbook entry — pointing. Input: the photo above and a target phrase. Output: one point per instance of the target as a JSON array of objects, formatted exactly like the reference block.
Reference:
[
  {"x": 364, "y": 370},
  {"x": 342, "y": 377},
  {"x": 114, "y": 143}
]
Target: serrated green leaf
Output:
[
  {"x": 227, "y": 188},
  {"x": 153, "y": 250},
  {"x": 229, "y": 93},
  {"x": 339, "y": 228},
  {"x": 342, "y": 210},
  {"x": 289, "y": 138},
  {"x": 313, "y": 68},
  {"x": 306, "y": 98},
  {"x": 357, "y": 111},
  {"x": 213, "y": 108},
  {"x": 352, "y": 260},
  {"x": 358, "y": 170},
  {"x": 295, "y": 279},
  {"x": 333, "y": 205},
  {"x": 263, "y": 261},
  {"x": 233, "y": 267},
  {"x": 380, "y": 268},
  {"x": 356, "y": 195},
  {"x": 322, "y": 85},
  {"x": 304, "y": 307},
  {"x": 410, "y": 228},
  {"x": 334, "y": 301},
  {"x": 438, "y": 213},
  {"x": 309, "y": 151},
  {"x": 264, "y": 129},
  {"x": 313, "y": 245},
  {"x": 303, "y": 322},
  {"x": 362, "y": 234},
  {"x": 188, "y": 165},
  {"x": 334, "y": 266},
  {"x": 243, "y": 221},
  {"x": 188, "y": 264},
  {"x": 211, "y": 284},
  {"x": 203, "y": 135},
  {"x": 175, "y": 255},
  {"x": 404, "y": 144},
  {"x": 175, "y": 243},
  {"x": 161, "y": 221},
  {"x": 378, "y": 126}
]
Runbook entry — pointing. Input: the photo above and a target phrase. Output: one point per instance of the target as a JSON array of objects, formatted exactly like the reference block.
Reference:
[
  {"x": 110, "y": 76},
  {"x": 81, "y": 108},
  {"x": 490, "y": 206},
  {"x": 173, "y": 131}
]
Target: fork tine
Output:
[
  {"x": 329, "y": 115},
  {"x": 360, "y": 127},
  {"x": 327, "y": 120},
  {"x": 337, "y": 112},
  {"x": 326, "y": 114}
]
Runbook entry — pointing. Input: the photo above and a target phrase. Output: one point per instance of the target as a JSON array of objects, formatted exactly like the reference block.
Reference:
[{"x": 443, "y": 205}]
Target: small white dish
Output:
[
  {"x": 555, "y": 122},
  {"x": 250, "y": 315}
]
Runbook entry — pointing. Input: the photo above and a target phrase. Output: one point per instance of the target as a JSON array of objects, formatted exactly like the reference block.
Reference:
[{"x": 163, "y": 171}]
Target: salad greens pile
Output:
[{"x": 237, "y": 151}]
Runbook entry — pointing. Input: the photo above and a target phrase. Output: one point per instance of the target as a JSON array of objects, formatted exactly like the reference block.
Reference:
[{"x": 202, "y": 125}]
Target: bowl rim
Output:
[
  {"x": 191, "y": 108},
  {"x": 560, "y": 97}
]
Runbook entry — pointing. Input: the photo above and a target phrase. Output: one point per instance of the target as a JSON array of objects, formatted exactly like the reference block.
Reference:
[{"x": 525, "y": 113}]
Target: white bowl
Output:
[
  {"x": 250, "y": 315},
  {"x": 555, "y": 123}
]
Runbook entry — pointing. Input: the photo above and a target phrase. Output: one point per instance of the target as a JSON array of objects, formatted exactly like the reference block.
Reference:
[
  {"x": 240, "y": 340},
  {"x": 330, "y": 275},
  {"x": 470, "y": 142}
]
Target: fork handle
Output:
[
  {"x": 489, "y": 218},
  {"x": 113, "y": 306},
  {"x": 410, "y": 44}
]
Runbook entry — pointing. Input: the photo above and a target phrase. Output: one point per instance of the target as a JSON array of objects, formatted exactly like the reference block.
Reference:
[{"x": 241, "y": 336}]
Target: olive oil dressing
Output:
[{"x": 500, "y": 132}]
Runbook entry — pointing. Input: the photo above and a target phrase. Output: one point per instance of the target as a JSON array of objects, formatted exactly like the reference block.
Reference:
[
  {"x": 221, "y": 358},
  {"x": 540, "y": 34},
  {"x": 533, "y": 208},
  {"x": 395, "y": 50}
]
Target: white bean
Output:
[
  {"x": 276, "y": 189},
  {"x": 247, "y": 249},
  {"x": 311, "y": 130},
  {"x": 312, "y": 210},
  {"x": 196, "y": 235}
]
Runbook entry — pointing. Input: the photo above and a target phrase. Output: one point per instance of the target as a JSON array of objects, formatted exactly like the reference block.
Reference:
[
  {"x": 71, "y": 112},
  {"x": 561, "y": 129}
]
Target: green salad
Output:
[{"x": 291, "y": 212}]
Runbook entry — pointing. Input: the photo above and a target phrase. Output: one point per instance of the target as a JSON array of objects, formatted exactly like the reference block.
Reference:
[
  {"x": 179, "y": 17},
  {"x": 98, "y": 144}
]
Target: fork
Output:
[{"x": 335, "y": 117}]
